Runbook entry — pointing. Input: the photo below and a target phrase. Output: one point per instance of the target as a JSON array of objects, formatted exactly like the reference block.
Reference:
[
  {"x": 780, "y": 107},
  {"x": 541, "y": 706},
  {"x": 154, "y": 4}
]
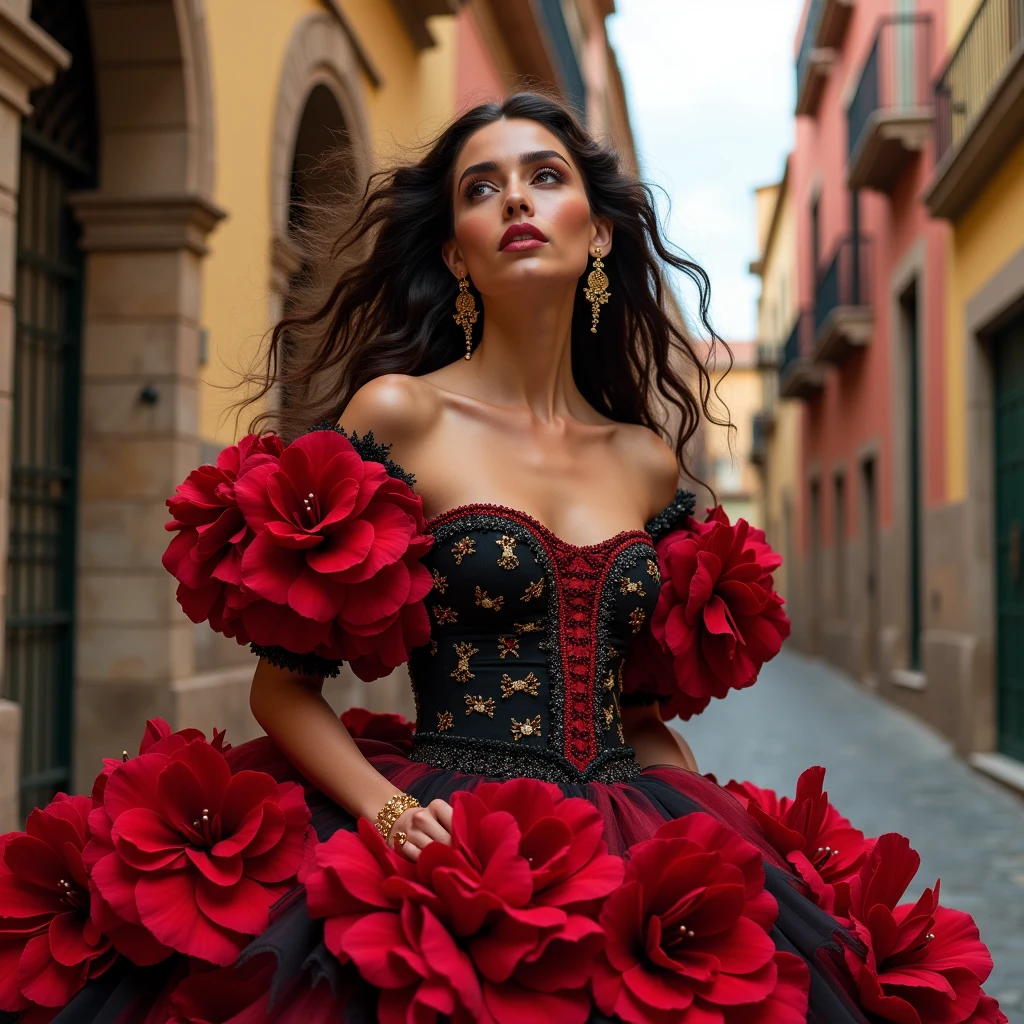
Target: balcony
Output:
[
  {"x": 799, "y": 375},
  {"x": 843, "y": 315},
  {"x": 891, "y": 115},
  {"x": 768, "y": 355},
  {"x": 979, "y": 107},
  {"x": 763, "y": 424},
  {"x": 824, "y": 32}
]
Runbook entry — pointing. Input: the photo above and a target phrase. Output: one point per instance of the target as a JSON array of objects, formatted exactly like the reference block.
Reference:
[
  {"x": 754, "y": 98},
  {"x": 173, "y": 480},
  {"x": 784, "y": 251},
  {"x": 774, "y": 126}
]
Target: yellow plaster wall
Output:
[
  {"x": 247, "y": 43},
  {"x": 982, "y": 242},
  {"x": 958, "y": 14}
]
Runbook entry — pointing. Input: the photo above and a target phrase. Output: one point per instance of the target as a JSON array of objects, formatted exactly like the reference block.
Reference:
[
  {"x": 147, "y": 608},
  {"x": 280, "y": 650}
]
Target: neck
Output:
[{"x": 525, "y": 354}]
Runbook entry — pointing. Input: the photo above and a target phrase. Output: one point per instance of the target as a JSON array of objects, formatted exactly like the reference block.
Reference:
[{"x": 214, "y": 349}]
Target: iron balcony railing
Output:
[
  {"x": 799, "y": 343},
  {"x": 845, "y": 280},
  {"x": 803, "y": 58},
  {"x": 992, "y": 43},
  {"x": 896, "y": 76}
]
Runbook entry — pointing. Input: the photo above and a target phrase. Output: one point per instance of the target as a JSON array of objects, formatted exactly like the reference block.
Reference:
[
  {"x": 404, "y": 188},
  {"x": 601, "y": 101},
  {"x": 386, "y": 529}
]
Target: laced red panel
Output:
[{"x": 580, "y": 573}]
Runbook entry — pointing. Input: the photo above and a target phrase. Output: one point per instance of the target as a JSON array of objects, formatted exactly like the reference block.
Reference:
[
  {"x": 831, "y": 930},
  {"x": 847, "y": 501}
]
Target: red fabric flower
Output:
[
  {"x": 925, "y": 964},
  {"x": 717, "y": 621},
  {"x": 687, "y": 935},
  {"x": 336, "y": 556},
  {"x": 190, "y": 852},
  {"x": 49, "y": 946},
  {"x": 475, "y": 930},
  {"x": 379, "y": 727},
  {"x": 823, "y": 847},
  {"x": 206, "y": 555}
]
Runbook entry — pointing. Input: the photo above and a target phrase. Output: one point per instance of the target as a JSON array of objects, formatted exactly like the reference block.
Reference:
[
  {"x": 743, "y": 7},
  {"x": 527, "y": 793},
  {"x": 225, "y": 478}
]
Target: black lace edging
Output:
[
  {"x": 304, "y": 664},
  {"x": 369, "y": 450},
  {"x": 678, "y": 511}
]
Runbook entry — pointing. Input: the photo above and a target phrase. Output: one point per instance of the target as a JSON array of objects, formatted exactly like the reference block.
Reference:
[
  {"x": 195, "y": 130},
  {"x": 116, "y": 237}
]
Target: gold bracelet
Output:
[{"x": 392, "y": 811}]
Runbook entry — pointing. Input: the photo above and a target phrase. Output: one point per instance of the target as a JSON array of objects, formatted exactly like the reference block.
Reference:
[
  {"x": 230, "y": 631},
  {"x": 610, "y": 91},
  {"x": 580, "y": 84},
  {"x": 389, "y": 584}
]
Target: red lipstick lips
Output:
[{"x": 518, "y": 237}]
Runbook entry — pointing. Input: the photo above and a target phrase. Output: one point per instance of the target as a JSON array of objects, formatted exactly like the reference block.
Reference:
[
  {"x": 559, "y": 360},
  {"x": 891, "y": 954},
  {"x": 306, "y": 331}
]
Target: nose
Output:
[{"x": 517, "y": 200}]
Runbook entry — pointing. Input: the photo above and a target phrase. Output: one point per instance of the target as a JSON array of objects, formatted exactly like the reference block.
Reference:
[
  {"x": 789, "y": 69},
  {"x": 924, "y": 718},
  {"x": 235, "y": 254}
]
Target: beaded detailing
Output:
[
  {"x": 678, "y": 511},
  {"x": 498, "y": 759}
]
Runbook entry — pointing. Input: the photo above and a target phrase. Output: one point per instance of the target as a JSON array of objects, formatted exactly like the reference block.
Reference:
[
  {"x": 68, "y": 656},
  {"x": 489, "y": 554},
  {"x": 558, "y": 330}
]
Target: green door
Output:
[{"x": 1009, "y": 375}]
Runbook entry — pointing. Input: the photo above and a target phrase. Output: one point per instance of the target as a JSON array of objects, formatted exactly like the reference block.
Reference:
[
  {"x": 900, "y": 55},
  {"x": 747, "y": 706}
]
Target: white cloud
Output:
[{"x": 710, "y": 85}]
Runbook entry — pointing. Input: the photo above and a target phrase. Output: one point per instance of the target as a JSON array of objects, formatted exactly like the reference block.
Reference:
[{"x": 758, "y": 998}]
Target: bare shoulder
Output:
[
  {"x": 395, "y": 407},
  {"x": 651, "y": 459}
]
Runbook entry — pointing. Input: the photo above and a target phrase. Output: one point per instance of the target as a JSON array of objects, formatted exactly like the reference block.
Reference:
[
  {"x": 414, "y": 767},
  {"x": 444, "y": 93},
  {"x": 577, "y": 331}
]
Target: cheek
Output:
[
  {"x": 570, "y": 215},
  {"x": 474, "y": 231}
]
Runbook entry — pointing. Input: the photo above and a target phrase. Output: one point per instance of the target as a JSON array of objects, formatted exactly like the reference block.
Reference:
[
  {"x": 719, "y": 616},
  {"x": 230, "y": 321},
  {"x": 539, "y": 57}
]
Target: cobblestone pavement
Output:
[{"x": 887, "y": 773}]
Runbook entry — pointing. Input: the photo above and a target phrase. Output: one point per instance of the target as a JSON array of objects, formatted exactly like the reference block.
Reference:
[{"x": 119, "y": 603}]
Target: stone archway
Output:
[{"x": 143, "y": 230}]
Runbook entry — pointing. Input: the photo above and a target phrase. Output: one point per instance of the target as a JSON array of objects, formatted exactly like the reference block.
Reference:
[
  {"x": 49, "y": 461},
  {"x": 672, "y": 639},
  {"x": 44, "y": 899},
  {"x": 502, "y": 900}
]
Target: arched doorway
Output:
[
  {"x": 322, "y": 167},
  {"x": 58, "y": 156}
]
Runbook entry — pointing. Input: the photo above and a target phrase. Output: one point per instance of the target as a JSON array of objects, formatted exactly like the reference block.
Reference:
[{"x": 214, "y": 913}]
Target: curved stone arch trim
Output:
[
  {"x": 319, "y": 53},
  {"x": 191, "y": 18}
]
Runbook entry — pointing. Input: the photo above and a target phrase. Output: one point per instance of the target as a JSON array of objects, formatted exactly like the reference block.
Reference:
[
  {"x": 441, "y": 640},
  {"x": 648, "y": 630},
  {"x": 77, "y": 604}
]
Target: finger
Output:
[
  {"x": 425, "y": 822},
  {"x": 442, "y": 811}
]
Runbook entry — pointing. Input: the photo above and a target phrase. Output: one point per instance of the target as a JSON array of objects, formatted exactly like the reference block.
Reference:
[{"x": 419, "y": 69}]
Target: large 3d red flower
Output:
[
  {"x": 494, "y": 927},
  {"x": 925, "y": 964},
  {"x": 205, "y": 556},
  {"x": 822, "y": 845},
  {"x": 190, "y": 852},
  {"x": 336, "y": 556},
  {"x": 49, "y": 946},
  {"x": 687, "y": 935},
  {"x": 717, "y": 621}
]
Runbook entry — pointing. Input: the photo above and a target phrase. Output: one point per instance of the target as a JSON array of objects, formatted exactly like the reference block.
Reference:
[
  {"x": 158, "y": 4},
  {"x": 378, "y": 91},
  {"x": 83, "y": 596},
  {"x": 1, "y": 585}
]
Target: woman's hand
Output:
[{"x": 422, "y": 826}]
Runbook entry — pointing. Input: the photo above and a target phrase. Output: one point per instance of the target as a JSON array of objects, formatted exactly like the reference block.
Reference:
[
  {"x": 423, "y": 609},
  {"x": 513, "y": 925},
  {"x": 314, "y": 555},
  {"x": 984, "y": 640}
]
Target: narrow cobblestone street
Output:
[{"x": 887, "y": 773}]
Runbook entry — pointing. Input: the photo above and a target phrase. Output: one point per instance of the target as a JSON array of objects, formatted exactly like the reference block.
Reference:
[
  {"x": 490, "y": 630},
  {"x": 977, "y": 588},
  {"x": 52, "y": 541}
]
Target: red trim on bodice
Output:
[{"x": 580, "y": 574}]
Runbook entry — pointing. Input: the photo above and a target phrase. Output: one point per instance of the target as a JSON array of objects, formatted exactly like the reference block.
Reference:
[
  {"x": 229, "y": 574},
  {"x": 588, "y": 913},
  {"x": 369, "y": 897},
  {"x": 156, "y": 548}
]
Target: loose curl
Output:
[{"x": 390, "y": 309}]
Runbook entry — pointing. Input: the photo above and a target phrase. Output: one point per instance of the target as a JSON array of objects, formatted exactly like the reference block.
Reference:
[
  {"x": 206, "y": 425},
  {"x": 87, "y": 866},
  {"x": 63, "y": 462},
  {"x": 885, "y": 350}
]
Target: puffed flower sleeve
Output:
[{"x": 309, "y": 552}]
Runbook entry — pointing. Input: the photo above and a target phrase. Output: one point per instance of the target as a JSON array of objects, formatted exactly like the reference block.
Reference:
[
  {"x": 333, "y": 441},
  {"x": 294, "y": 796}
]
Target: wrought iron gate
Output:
[{"x": 57, "y": 156}]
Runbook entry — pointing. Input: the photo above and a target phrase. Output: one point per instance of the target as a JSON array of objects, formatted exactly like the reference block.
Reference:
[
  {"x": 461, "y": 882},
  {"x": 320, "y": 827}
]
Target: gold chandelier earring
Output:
[
  {"x": 466, "y": 313},
  {"x": 596, "y": 292}
]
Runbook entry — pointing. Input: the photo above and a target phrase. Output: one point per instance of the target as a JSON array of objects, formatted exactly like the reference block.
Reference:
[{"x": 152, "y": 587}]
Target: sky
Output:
[{"x": 710, "y": 87}]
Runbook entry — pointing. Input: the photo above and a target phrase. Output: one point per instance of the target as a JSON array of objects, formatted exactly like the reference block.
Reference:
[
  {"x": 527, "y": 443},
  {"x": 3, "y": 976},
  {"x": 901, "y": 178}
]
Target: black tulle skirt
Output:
[{"x": 294, "y": 979}]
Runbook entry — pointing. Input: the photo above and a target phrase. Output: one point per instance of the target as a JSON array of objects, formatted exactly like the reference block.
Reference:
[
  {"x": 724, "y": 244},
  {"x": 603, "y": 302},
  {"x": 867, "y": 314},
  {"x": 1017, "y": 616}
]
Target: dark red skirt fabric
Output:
[{"x": 295, "y": 980}]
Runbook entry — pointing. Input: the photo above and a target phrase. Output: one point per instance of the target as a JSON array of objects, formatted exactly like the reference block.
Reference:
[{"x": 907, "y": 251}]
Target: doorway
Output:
[
  {"x": 872, "y": 590},
  {"x": 1008, "y": 360}
]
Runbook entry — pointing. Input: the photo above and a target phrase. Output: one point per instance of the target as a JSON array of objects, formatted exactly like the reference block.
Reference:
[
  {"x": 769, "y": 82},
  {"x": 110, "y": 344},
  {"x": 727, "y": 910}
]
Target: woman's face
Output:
[{"x": 521, "y": 211}]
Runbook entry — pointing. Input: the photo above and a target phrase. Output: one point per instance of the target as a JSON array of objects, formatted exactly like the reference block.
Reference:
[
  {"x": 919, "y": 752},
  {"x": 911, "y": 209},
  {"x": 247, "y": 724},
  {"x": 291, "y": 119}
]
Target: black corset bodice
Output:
[{"x": 523, "y": 673}]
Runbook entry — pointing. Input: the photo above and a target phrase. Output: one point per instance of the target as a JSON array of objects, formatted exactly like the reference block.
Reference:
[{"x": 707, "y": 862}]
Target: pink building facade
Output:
[{"x": 866, "y": 352}]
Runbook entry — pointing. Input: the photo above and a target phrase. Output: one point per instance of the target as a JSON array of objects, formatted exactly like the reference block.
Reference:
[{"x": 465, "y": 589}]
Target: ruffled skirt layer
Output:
[{"x": 288, "y": 976}]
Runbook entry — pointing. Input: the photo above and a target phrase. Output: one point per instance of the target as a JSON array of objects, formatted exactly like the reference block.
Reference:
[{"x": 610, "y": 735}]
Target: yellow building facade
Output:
[
  {"x": 776, "y": 422},
  {"x": 152, "y": 155},
  {"x": 978, "y": 187}
]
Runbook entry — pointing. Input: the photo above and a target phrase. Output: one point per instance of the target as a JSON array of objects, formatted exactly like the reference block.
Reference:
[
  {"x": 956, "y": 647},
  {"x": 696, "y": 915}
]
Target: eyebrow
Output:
[{"x": 524, "y": 158}]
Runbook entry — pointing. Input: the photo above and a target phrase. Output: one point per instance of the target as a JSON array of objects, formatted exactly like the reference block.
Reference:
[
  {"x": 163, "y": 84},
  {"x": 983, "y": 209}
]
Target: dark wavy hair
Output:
[{"x": 389, "y": 309}]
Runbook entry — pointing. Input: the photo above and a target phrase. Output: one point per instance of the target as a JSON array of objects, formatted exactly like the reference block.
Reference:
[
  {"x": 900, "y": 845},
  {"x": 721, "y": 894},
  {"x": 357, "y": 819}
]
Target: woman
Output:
[{"x": 507, "y": 335}]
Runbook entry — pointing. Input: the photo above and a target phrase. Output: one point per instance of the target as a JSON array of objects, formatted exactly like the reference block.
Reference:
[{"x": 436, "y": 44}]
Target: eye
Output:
[
  {"x": 477, "y": 189},
  {"x": 548, "y": 176}
]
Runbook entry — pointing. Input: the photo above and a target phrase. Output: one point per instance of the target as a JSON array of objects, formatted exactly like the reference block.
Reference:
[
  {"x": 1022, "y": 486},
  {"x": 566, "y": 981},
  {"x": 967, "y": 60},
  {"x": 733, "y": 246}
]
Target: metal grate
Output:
[{"x": 58, "y": 145}]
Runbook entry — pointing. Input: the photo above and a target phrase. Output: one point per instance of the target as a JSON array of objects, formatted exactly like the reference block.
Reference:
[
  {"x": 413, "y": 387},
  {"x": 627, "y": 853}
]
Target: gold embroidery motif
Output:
[
  {"x": 433, "y": 647},
  {"x": 609, "y": 683},
  {"x": 508, "y": 558},
  {"x": 445, "y": 721},
  {"x": 637, "y": 617},
  {"x": 479, "y": 705},
  {"x": 463, "y": 549},
  {"x": 461, "y": 672},
  {"x": 653, "y": 571},
  {"x": 508, "y": 645},
  {"x": 609, "y": 717},
  {"x": 627, "y": 586},
  {"x": 622, "y": 738},
  {"x": 612, "y": 653},
  {"x": 529, "y": 627},
  {"x": 440, "y": 582},
  {"x": 531, "y": 727},
  {"x": 533, "y": 590},
  {"x": 528, "y": 685},
  {"x": 491, "y": 603},
  {"x": 445, "y": 616}
]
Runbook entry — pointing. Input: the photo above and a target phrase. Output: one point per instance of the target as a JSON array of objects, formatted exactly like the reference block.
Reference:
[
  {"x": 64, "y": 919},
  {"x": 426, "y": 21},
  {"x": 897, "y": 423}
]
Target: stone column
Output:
[
  {"x": 29, "y": 58},
  {"x": 139, "y": 438}
]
